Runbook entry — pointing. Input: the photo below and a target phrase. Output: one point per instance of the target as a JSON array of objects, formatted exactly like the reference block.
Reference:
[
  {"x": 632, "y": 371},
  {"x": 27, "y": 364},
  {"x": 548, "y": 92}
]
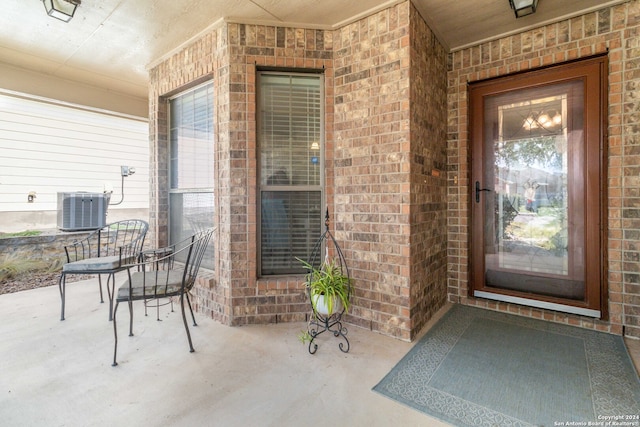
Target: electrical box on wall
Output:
[{"x": 82, "y": 210}]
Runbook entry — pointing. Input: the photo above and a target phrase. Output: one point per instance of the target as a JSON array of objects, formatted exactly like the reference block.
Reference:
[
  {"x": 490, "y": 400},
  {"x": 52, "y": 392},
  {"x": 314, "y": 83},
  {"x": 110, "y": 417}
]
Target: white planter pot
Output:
[{"x": 320, "y": 305}]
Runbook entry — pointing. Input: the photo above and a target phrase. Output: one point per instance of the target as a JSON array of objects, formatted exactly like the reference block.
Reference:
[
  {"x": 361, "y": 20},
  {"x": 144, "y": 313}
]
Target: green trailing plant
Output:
[
  {"x": 329, "y": 281},
  {"x": 304, "y": 337}
]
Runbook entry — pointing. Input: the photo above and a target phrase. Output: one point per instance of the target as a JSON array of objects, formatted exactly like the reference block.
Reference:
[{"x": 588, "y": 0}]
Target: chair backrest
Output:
[
  {"x": 166, "y": 267},
  {"x": 125, "y": 238},
  {"x": 197, "y": 247}
]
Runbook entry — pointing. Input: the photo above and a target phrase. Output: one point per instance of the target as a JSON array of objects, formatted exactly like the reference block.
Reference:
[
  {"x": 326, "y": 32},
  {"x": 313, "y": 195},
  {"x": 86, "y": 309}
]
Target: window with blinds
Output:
[
  {"x": 191, "y": 149},
  {"x": 290, "y": 138}
]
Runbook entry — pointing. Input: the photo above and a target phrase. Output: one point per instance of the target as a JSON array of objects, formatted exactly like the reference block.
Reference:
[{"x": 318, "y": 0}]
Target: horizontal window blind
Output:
[
  {"x": 290, "y": 226},
  {"x": 192, "y": 139},
  {"x": 192, "y": 143},
  {"x": 290, "y": 128},
  {"x": 290, "y": 120}
]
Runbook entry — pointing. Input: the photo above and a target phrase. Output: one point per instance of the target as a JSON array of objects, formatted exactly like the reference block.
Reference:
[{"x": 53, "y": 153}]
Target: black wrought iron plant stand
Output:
[{"x": 320, "y": 323}]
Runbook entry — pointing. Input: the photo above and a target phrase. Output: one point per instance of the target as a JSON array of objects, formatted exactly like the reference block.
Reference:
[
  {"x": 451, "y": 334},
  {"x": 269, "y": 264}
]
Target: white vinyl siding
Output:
[{"x": 48, "y": 147}]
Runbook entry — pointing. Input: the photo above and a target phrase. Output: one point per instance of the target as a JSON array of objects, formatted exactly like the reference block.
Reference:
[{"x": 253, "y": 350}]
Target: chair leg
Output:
[
  {"x": 186, "y": 326},
  {"x": 191, "y": 310},
  {"x": 111, "y": 279},
  {"x": 130, "y": 318},
  {"x": 61, "y": 286},
  {"x": 100, "y": 286},
  {"x": 115, "y": 336}
]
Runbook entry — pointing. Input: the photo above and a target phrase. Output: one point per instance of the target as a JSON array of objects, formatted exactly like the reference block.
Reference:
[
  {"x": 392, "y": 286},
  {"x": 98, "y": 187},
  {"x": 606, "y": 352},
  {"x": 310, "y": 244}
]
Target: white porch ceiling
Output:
[{"x": 110, "y": 43}]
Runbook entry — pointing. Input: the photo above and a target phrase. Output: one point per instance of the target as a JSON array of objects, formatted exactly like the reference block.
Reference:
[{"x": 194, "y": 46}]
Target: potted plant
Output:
[{"x": 329, "y": 287}]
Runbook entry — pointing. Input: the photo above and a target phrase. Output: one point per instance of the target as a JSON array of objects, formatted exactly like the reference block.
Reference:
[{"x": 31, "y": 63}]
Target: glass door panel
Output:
[
  {"x": 533, "y": 138},
  {"x": 537, "y": 188}
]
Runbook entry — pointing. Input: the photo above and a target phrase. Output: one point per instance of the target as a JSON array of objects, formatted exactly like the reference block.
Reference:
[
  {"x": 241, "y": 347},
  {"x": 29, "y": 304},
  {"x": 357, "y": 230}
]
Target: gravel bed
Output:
[{"x": 35, "y": 280}]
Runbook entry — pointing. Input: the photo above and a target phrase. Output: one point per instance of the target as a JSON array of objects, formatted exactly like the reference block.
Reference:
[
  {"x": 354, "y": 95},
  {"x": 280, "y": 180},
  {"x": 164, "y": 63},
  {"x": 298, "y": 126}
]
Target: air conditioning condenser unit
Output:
[{"x": 82, "y": 210}]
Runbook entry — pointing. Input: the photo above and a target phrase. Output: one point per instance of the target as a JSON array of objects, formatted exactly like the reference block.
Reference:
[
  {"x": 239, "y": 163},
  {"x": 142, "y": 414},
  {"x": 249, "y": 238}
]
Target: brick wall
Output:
[
  {"x": 264, "y": 300},
  {"x": 615, "y": 29},
  {"x": 428, "y": 158},
  {"x": 372, "y": 166},
  {"x": 231, "y": 55},
  {"x": 205, "y": 59},
  {"x": 390, "y": 182},
  {"x": 385, "y": 153},
  {"x": 384, "y": 140}
]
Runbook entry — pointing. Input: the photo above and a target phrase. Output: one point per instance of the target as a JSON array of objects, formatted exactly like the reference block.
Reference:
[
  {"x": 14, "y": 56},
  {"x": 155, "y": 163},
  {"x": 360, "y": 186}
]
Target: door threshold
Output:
[{"x": 539, "y": 304}]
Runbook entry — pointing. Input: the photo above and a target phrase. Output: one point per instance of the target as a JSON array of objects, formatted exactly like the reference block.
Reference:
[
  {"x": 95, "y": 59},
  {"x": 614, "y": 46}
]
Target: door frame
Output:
[{"x": 593, "y": 71}]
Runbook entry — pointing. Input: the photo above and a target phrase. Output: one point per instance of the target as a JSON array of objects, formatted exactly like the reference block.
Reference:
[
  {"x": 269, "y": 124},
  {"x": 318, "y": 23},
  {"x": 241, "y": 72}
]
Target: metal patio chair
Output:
[
  {"x": 168, "y": 272},
  {"x": 107, "y": 250}
]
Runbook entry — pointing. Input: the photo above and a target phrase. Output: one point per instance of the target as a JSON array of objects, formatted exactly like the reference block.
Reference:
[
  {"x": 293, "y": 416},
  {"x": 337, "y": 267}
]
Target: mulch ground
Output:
[{"x": 34, "y": 280}]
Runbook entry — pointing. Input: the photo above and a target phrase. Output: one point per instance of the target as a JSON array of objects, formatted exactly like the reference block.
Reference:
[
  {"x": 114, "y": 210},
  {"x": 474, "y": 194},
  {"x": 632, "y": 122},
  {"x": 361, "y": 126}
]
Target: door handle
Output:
[{"x": 478, "y": 190}]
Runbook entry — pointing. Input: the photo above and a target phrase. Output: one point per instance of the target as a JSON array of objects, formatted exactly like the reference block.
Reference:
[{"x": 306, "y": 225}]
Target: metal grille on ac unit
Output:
[{"x": 82, "y": 210}]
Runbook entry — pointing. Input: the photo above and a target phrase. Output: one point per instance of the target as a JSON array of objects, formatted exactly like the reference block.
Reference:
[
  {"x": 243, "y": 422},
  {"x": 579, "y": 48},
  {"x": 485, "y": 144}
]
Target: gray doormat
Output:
[{"x": 479, "y": 367}]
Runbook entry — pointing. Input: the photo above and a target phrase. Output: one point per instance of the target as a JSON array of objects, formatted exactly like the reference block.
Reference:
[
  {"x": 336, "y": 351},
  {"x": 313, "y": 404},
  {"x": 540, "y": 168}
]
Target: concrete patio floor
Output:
[{"x": 55, "y": 373}]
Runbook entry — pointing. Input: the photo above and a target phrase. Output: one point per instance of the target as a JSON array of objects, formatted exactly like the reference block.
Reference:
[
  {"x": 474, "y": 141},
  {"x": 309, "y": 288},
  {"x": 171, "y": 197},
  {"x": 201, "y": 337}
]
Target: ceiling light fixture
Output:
[
  {"x": 523, "y": 7},
  {"x": 548, "y": 120},
  {"x": 61, "y": 9}
]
